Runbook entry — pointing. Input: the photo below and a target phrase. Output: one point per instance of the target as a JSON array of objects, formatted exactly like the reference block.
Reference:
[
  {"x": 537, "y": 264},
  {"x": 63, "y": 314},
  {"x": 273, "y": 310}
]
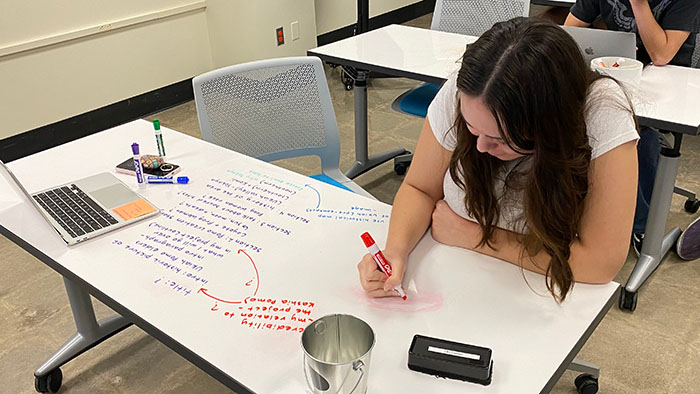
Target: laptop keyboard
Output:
[{"x": 74, "y": 210}]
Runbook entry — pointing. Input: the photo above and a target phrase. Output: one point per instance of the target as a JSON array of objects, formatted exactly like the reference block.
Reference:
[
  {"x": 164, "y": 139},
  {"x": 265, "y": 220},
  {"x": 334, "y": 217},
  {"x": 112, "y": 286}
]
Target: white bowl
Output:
[{"x": 623, "y": 69}]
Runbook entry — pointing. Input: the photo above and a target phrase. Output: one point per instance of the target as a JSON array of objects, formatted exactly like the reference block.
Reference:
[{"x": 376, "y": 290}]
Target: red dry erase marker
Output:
[{"x": 381, "y": 261}]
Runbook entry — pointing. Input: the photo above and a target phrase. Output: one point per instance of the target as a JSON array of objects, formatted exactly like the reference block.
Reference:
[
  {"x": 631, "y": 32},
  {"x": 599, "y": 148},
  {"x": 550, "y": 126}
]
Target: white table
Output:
[
  {"x": 411, "y": 52},
  {"x": 453, "y": 293},
  {"x": 668, "y": 99}
]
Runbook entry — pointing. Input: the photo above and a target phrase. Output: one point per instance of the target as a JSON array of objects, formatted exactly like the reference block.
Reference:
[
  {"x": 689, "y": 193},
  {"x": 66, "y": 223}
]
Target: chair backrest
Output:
[
  {"x": 474, "y": 17},
  {"x": 269, "y": 109}
]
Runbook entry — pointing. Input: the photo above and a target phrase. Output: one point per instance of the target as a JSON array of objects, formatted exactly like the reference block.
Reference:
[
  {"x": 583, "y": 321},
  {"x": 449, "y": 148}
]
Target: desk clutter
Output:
[{"x": 150, "y": 168}]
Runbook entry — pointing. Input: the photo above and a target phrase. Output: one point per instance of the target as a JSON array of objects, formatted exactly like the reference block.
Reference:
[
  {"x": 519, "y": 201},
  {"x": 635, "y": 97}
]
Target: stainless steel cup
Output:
[{"x": 336, "y": 354}]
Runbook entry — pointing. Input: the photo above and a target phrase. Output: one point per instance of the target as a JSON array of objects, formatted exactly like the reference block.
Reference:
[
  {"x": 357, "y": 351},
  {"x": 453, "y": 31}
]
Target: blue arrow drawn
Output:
[{"x": 317, "y": 193}]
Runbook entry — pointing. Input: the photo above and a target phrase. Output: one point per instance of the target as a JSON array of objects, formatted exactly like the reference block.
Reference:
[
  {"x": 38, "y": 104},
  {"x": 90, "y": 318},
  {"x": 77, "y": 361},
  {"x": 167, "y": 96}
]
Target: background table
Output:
[
  {"x": 666, "y": 99},
  {"x": 453, "y": 293}
]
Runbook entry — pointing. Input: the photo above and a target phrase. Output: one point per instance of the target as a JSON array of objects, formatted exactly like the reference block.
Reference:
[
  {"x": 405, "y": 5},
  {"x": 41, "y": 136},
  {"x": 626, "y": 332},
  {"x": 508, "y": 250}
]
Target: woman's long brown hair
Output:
[{"x": 531, "y": 75}]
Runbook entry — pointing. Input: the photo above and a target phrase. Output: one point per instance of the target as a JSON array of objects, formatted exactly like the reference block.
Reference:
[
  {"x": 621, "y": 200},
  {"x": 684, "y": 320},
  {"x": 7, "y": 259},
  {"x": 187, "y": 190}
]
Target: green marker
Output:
[{"x": 159, "y": 139}]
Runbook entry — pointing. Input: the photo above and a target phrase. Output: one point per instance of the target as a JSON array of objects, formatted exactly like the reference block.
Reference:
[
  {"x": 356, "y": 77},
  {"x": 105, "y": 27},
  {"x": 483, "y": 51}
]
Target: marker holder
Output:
[{"x": 449, "y": 359}]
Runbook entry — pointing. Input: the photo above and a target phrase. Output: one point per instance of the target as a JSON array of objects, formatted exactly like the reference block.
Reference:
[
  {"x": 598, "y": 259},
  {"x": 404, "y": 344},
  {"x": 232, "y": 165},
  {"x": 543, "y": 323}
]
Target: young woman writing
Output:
[{"x": 526, "y": 155}]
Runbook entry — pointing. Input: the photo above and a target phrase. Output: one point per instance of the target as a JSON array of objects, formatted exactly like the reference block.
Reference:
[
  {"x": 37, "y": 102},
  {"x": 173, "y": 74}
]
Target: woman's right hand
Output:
[{"x": 375, "y": 282}]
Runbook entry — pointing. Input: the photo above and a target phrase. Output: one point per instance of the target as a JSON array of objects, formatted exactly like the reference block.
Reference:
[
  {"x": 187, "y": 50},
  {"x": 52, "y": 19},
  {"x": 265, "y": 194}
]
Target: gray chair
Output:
[
  {"x": 271, "y": 110},
  {"x": 468, "y": 17},
  {"x": 474, "y": 17}
]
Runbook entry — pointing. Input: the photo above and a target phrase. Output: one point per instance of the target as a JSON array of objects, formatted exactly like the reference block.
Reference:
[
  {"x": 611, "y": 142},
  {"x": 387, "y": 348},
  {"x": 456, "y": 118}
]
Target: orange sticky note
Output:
[{"x": 134, "y": 209}]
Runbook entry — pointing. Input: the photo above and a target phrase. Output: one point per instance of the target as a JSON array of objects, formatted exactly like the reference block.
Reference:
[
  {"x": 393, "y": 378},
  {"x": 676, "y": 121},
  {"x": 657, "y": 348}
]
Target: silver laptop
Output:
[
  {"x": 597, "y": 43},
  {"x": 85, "y": 208}
]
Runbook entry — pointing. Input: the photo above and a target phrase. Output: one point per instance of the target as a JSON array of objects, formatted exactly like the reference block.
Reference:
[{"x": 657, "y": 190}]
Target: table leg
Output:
[
  {"x": 89, "y": 333},
  {"x": 655, "y": 245},
  {"x": 363, "y": 162},
  {"x": 584, "y": 366},
  {"x": 583, "y": 382}
]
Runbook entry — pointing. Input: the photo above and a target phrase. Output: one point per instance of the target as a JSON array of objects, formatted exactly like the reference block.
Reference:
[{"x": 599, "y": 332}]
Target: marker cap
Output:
[
  {"x": 183, "y": 179},
  {"x": 156, "y": 124},
  {"x": 135, "y": 148},
  {"x": 367, "y": 239}
]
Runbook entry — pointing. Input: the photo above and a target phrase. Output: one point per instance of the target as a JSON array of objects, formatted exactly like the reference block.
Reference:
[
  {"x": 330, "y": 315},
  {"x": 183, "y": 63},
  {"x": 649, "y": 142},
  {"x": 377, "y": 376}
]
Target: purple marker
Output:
[
  {"x": 138, "y": 169},
  {"x": 165, "y": 179}
]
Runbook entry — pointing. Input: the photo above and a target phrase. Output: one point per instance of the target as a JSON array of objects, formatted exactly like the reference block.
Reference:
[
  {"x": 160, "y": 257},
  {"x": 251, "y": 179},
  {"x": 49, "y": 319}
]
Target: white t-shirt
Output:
[{"x": 608, "y": 126}]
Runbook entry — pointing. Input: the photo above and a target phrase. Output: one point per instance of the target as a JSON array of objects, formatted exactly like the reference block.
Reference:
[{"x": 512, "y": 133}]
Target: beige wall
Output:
[
  {"x": 334, "y": 14},
  {"x": 244, "y": 30},
  {"x": 62, "y": 58}
]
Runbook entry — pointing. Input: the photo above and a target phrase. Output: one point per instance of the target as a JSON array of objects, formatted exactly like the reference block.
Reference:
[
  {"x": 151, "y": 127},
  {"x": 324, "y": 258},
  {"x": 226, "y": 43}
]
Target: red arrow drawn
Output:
[
  {"x": 257, "y": 275},
  {"x": 204, "y": 291},
  {"x": 257, "y": 285}
]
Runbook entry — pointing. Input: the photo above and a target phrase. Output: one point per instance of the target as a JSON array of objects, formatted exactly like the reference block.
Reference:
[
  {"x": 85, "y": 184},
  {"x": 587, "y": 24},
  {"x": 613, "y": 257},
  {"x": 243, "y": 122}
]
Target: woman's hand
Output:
[
  {"x": 451, "y": 229},
  {"x": 375, "y": 282}
]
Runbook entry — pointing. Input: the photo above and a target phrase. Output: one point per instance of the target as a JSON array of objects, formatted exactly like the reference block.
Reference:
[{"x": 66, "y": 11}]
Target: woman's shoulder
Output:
[
  {"x": 607, "y": 93},
  {"x": 609, "y": 116},
  {"x": 442, "y": 113},
  {"x": 448, "y": 90}
]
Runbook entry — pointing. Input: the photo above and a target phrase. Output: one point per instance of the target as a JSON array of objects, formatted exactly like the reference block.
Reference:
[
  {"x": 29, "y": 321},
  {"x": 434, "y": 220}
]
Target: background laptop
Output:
[
  {"x": 597, "y": 43},
  {"x": 85, "y": 208}
]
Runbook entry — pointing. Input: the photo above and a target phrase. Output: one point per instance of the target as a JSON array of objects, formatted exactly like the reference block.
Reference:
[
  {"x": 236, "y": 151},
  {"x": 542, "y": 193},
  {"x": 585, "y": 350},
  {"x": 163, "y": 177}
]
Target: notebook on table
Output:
[{"x": 85, "y": 208}]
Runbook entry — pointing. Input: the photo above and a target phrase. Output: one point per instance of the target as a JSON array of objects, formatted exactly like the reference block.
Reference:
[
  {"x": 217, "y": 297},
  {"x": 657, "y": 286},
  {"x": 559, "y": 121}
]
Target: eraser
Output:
[{"x": 449, "y": 359}]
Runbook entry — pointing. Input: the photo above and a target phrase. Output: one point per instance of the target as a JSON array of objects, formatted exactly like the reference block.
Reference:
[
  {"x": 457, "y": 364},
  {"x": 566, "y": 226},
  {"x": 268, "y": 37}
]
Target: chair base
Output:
[
  {"x": 326, "y": 179},
  {"x": 416, "y": 101}
]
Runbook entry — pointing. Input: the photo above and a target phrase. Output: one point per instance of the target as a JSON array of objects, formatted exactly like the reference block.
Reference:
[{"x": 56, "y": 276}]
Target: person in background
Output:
[
  {"x": 663, "y": 27},
  {"x": 525, "y": 155},
  {"x": 665, "y": 35}
]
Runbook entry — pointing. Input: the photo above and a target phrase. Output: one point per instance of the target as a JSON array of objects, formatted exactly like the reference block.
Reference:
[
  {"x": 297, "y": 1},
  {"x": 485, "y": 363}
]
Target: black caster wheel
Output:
[
  {"x": 349, "y": 86},
  {"x": 691, "y": 206},
  {"x": 401, "y": 168},
  {"x": 628, "y": 300},
  {"x": 49, "y": 383},
  {"x": 586, "y": 384}
]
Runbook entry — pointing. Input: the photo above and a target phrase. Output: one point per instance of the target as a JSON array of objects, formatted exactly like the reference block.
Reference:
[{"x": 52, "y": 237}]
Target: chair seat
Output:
[
  {"x": 417, "y": 100},
  {"x": 326, "y": 179}
]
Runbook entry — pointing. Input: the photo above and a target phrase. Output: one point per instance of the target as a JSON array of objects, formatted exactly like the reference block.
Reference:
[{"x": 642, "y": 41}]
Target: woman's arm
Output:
[
  {"x": 661, "y": 45},
  {"x": 415, "y": 200},
  {"x": 606, "y": 225},
  {"x": 410, "y": 215}
]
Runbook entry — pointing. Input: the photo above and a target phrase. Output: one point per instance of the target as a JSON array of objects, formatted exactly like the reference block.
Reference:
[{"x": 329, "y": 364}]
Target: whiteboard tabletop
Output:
[
  {"x": 247, "y": 254},
  {"x": 667, "y": 97},
  {"x": 423, "y": 54}
]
